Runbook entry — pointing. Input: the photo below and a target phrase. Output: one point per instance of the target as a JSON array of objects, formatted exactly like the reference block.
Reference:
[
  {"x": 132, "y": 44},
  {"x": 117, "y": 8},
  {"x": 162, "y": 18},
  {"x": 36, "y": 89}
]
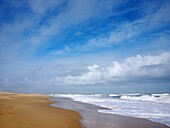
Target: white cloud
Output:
[
  {"x": 76, "y": 13},
  {"x": 93, "y": 67},
  {"x": 151, "y": 19},
  {"x": 134, "y": 69},
  {"x": 131, "y": 68},
  {"x": 40, "y": 6},
  {"x": 70, "y": 12},
  {"x": 14, "y": 63}
]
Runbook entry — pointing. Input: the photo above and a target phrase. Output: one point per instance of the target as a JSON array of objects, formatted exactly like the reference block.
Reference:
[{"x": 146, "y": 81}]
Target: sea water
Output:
[{"x": 155, "y": 107}]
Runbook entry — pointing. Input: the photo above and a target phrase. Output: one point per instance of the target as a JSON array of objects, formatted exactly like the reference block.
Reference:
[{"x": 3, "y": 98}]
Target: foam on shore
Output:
[
  {"x": 155, "y": 107},
  {"x": 91, "y": 118}
]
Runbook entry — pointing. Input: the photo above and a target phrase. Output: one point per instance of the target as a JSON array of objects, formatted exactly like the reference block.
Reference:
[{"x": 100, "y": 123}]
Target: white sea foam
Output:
[
  {"x": 155, "y": 107},
  {"x": 159, "y": 94},
  {"x": 114, "y": 95},
  {"x": 159, "y": 98}
]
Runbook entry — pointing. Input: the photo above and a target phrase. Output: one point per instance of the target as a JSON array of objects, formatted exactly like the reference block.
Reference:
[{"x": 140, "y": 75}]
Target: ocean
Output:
[{"x": 155, "y": 107}]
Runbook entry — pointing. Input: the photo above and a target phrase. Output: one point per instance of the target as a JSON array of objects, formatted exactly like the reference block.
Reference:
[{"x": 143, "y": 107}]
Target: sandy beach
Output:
[
  {"x": 33, "y": 111},
  {"x": 40, "y": 111}
]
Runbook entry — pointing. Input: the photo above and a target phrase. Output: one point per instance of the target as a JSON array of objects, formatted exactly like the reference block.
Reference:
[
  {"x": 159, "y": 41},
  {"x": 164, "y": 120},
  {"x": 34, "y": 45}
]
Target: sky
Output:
[{"x": 85, "y": 46}]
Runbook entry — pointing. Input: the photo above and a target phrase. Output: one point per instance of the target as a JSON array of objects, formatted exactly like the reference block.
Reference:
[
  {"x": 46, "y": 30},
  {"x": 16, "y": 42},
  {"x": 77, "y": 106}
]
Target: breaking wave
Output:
[{"x": 134, "y": 105}]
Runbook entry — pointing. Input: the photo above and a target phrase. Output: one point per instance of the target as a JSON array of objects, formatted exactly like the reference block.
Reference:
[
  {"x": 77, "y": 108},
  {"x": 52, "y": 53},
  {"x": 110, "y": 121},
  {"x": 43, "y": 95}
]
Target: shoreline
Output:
[
  {"x": 34, "y": 110},
  {"x": 91, "y": 118}
]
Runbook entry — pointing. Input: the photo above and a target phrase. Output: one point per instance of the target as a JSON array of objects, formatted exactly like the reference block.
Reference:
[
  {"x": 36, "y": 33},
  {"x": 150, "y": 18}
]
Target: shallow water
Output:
[
  {"x": 155, "y": 107},
  {"x": 91, "y": 118}
]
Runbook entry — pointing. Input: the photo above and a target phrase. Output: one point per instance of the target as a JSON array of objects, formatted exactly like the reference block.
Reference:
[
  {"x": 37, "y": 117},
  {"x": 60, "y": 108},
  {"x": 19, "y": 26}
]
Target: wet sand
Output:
[
  {"x": 33, "y": 111},
  {"x": 91, "y": 118}
]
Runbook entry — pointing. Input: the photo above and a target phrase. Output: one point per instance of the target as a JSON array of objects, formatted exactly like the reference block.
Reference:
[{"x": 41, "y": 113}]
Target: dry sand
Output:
[{"x": 33, "y": 111}]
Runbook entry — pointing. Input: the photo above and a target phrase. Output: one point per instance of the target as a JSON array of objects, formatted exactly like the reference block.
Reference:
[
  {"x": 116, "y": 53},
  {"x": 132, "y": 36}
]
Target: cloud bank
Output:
[{"x": 131, "y": 69}]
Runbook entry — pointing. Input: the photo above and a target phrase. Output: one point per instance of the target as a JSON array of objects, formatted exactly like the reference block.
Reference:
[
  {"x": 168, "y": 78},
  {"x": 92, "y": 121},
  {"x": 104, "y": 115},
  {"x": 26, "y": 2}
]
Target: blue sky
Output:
[{"x": 85, "y": 45}]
